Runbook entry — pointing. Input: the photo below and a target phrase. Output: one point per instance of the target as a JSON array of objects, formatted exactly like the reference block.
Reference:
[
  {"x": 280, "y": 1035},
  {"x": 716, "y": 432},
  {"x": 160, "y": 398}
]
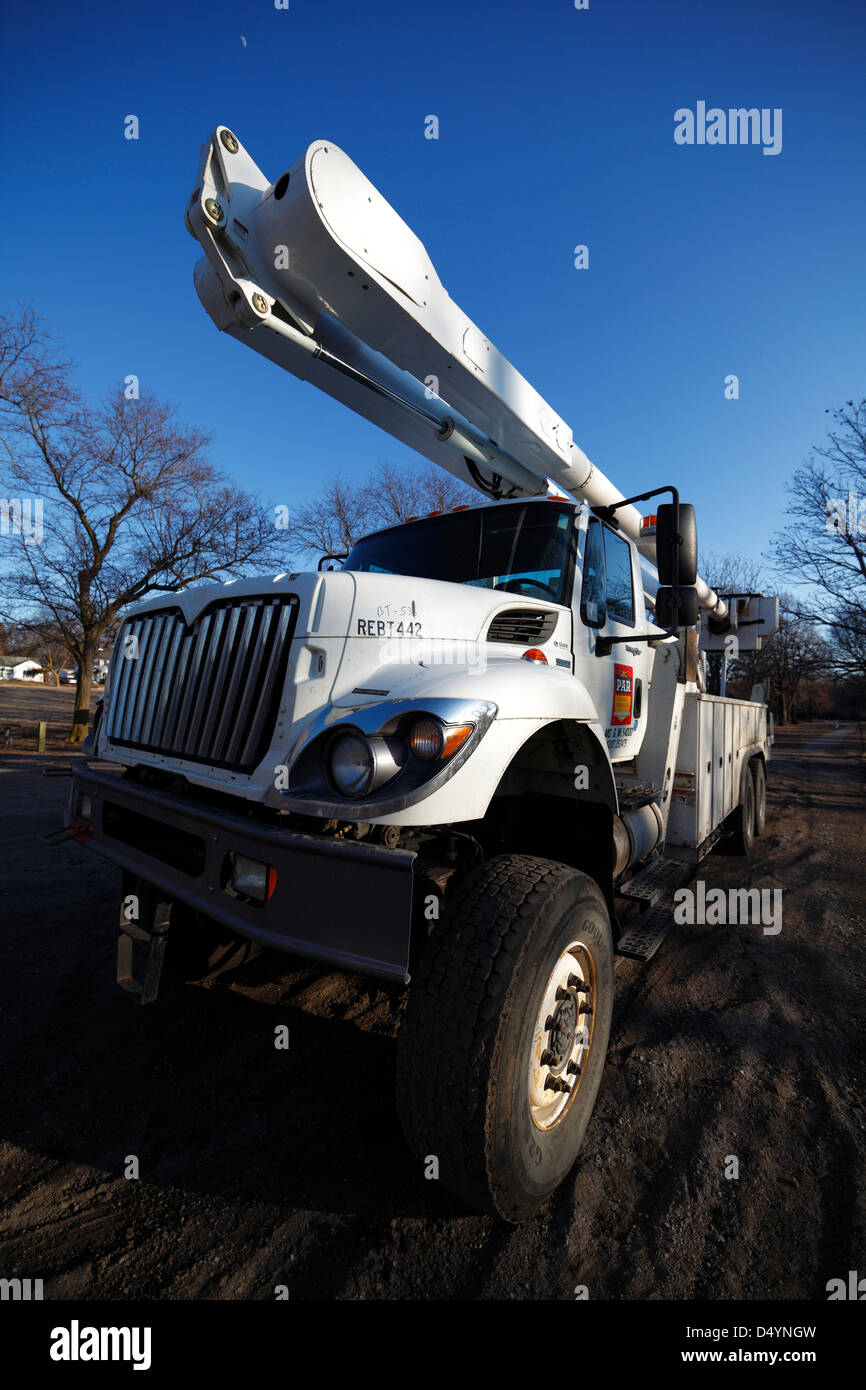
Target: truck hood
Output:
[{"x": 355, "y": 639}]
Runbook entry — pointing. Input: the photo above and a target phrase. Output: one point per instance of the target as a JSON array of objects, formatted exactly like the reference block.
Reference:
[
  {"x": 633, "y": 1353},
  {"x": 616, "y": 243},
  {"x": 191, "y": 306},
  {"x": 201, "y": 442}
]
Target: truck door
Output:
[{"x": 612, "y": 604}]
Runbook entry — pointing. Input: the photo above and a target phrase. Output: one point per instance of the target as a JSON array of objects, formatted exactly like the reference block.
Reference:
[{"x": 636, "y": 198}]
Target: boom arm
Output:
[{"x": 317, "y": 272}]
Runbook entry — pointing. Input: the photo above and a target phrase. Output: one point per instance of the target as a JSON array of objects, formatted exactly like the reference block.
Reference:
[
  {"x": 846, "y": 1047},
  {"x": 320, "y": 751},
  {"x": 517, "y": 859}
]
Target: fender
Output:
[{"x": 529, "y": 700}]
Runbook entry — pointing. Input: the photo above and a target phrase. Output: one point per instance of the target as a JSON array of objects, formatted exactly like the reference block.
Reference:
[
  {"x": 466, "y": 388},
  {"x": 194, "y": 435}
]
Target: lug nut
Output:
[
  {"x": 555, "y": 1083},
  {"x": 230, "y": 141},
  {"x": 585, "y": 1009},
  {"x": 213, "y": 209},
  {"x": 573, "y": 1068},
  {"x": 575, "y": 982},
  {"x": 547, "y": 1058}
]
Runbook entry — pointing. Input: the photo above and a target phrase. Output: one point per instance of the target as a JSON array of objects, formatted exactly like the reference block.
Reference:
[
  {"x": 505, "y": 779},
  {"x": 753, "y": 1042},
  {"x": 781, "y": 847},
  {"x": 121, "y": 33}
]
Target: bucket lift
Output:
[{"x": 318, "y": 273}]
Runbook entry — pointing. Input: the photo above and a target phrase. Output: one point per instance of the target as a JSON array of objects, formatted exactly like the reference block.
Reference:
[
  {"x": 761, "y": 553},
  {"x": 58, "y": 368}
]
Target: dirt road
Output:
[{"x": 261, "y": 1167}]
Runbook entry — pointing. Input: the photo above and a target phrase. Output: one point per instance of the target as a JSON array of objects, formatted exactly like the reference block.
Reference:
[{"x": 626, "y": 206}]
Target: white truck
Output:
[{"x": 455, "y": 759}]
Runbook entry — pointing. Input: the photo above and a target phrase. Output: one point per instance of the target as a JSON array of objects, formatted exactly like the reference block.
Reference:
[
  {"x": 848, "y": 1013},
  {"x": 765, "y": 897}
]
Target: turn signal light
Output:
[
  {"x": 429, "y": 739},
  {"x": 534, "y": 654}
]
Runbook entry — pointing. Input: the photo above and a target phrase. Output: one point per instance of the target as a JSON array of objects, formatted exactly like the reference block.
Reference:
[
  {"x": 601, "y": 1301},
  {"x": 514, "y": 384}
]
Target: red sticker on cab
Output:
[{"x": 623, "y": 685}]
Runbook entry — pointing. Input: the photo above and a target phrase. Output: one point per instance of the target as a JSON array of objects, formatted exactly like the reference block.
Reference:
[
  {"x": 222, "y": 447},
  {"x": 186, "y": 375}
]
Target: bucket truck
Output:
[{"x": 473, "y": 755}]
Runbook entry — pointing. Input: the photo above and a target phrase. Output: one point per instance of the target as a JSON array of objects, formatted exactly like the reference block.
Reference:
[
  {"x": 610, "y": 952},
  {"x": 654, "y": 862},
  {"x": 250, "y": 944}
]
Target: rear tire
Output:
[
  {"x": 759, "y": 777},
  {"x": 514, "y": 991},
  {"x": 741, "y": 822}
]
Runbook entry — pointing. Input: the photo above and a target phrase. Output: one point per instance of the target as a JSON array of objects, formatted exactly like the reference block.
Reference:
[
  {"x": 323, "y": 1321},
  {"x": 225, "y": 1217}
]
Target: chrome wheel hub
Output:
[{"x": 562, "y": 1036}]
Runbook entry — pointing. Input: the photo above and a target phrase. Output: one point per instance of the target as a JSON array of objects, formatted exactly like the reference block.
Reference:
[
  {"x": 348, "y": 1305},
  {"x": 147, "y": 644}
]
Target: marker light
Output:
[{"x": 535, "y": 655}]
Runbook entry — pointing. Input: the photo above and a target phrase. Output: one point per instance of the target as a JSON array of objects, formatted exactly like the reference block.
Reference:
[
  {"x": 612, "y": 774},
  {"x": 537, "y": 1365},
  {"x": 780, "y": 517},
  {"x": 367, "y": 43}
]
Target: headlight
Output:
[
  {"x": 357, "y": 765},
  {"x": 351, "y": 764}
]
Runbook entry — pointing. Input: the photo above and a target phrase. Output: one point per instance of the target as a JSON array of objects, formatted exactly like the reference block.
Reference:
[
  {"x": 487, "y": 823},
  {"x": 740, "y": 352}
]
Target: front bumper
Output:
[{"x": 346, "y": 903}]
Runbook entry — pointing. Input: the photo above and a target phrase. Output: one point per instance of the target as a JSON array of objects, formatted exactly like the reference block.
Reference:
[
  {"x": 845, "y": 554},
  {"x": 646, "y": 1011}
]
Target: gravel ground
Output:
[{"x": 261, "y": 1167}]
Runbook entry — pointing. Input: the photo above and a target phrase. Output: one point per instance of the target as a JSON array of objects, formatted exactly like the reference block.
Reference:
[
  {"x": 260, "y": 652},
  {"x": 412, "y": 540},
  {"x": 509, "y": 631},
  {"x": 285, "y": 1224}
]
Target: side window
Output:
[
  {"x": 592, "y": 606},
  {"x": 620, "y": 592}
]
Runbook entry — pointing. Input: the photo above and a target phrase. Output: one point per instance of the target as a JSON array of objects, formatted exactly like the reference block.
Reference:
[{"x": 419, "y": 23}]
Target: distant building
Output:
[{"x": 19, "y": 668}]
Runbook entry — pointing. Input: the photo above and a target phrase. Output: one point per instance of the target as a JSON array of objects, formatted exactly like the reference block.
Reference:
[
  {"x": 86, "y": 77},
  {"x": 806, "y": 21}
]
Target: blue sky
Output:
[{"x": 556, "y": 128}]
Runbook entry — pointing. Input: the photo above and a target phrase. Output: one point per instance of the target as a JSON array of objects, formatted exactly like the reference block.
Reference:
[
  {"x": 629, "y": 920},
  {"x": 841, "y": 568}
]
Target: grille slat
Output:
[
  {"x": 266, "y": 696},
  {"x": 150, "y": 683},
  {"x": 209, "y": 693},
  {"x": 222, "y": 668},
  {"x": 179, "y": 686},
  {"x": 193, "y": 683},
  {"x": 168, "y": 683},
  {"x": 238, "y": 667},
  {"x": 207, "y": 666},
  {"x": 522, "y": 626},
  {"x": 121, "y": 696},
  {"x": 247, "y": 703},
  {"x": 134, "y": 666}
]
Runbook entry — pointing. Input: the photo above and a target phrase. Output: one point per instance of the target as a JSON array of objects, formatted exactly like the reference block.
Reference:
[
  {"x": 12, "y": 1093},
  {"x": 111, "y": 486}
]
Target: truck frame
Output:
[{"x": 454, "y": 761}]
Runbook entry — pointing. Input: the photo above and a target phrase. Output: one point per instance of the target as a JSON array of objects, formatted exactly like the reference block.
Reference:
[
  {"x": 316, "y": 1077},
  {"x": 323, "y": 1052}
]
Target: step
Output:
[
  {"x": 654, "y": 881},
  {"x": 642, "y": 938}
]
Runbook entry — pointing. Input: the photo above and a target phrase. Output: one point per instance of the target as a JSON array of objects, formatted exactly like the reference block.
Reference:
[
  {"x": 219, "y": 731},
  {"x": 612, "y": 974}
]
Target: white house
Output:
[{"x": 19, "y": 668}]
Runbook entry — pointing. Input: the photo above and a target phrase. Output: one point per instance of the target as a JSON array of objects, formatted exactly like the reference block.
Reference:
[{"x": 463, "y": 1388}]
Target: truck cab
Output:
[{"x": 549, "y": 553}]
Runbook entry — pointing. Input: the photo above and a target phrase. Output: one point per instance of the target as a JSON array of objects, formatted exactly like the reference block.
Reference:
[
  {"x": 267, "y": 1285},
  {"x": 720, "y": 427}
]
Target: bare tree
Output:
[
  {"x": 792, "y": 659},
  {"x": 732, "y": 574},
  {"x": 824, "y": 546},
  {"x": 333, "y": 522},
  {"x": 395, "y": 496},
  {"x": 344, "y": 512},
  {"x": 113, "y": 502}
]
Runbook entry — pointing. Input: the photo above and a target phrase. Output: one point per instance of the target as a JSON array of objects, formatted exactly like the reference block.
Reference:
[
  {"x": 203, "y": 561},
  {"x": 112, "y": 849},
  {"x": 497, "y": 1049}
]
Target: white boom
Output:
[{"x": 317, "y": 272}]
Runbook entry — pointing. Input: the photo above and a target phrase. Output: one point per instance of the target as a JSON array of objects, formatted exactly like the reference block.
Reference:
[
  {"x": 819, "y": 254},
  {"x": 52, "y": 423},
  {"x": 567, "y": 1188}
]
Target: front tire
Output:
[{"x": 505, "y": 1034}]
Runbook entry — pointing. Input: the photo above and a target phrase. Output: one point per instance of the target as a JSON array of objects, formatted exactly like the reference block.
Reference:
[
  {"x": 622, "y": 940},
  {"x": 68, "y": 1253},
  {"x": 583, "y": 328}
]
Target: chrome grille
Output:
[
  {"x": 210, "y": 692},
  {"x": 524, "y": 626}
]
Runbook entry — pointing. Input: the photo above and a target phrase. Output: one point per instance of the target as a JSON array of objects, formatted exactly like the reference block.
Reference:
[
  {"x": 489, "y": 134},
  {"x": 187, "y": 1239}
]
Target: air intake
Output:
[{"x": 525, "y": 627}]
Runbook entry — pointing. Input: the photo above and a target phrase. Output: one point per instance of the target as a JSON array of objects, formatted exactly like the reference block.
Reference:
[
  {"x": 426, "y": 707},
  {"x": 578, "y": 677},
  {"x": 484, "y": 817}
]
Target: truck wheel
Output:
[
  {"x": 741, "y": 822},
  {"x": 759, "y": 777},
  {"x": 504, "y": 1037}
]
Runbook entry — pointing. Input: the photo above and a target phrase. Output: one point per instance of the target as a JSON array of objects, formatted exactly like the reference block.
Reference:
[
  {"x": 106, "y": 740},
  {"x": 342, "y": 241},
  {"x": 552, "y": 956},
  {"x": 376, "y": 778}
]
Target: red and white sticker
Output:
[{"x": 623, "y": 687}]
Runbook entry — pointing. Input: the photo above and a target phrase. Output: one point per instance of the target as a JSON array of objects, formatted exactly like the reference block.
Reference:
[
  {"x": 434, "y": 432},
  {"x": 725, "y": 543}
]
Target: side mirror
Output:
[
  {"x": 670, "y": 542},
  {"x": 685, "y": 614}
]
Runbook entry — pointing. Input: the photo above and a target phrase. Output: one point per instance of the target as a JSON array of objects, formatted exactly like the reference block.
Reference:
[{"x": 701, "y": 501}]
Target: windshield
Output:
[{"x": 521, "y": 549}]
